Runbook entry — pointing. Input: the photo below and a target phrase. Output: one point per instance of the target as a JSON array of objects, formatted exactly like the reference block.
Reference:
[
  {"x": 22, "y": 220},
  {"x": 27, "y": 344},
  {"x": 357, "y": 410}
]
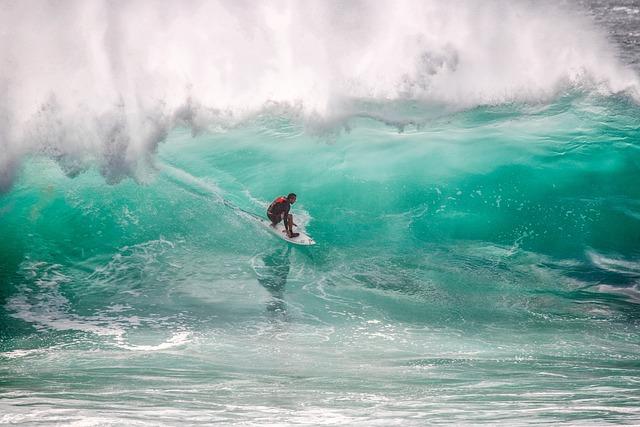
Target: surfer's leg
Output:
[
  {"x": 290, "y": 232},
  {"x": 274, "y": 219}
]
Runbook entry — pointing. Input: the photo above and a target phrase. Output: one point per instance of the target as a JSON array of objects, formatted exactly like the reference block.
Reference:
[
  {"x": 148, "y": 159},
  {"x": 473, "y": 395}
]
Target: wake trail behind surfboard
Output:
[{"x": 201, "y": 187}]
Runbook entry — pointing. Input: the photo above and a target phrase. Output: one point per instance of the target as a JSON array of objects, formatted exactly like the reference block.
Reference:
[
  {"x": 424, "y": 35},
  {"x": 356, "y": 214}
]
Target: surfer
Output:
[{"x": 279, "y": 211}]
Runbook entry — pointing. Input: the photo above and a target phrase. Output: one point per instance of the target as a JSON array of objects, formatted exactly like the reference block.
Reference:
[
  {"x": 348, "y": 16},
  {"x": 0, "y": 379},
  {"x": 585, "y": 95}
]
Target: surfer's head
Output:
[{"x": 292, "y": 198}]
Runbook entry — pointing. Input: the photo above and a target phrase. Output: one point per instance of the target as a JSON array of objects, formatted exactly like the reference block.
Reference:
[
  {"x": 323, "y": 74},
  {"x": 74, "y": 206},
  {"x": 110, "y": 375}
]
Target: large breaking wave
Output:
[{"x": 100, "y": 84}]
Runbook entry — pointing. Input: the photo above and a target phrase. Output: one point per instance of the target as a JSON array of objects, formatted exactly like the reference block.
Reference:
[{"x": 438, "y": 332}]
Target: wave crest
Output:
[{"x": 102, "y": 83}]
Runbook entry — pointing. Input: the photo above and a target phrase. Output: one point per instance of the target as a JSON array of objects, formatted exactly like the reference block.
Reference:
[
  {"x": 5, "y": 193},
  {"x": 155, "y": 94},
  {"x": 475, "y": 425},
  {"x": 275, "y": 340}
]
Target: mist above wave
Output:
[{"x": 102, "y": 83}]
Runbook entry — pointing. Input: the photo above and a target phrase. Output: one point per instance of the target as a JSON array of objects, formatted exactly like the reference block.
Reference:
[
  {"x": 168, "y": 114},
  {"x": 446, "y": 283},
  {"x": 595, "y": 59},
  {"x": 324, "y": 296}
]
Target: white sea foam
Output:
[
  {"x": 101, "y": 83},
  {"x": 43, "y": 305},
  {"x": 632, "y": 293},
  {"x": 613, "y": 264},
  {"x": 177, "y": 339},
  {"x": 15, "y": 354}
]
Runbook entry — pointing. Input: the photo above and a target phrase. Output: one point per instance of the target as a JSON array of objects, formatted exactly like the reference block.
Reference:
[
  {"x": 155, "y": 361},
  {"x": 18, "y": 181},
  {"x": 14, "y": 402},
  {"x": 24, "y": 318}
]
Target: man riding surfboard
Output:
[{"x": 278, "y": 211}]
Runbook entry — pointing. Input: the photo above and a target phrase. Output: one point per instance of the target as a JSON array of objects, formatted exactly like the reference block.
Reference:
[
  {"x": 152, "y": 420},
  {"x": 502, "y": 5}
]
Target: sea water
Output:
[{"x": 469, "y": 170}]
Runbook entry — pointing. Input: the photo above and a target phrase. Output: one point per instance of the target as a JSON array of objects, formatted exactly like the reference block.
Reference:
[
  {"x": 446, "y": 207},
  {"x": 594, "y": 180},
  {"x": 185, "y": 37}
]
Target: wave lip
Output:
[{"x": 119, "y": 76}]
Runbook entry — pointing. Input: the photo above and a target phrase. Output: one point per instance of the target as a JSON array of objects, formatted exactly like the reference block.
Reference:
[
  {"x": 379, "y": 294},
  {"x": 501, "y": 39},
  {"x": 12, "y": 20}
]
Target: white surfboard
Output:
[{"x": 278, "y": 230}]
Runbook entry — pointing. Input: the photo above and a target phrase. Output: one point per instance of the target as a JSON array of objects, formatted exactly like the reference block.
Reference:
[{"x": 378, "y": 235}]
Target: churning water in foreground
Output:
[{"x": 473, "y": 192}]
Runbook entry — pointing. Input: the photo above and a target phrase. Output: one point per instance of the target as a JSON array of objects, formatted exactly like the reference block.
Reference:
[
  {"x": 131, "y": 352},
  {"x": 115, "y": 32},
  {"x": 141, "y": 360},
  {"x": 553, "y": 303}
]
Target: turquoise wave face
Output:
[{"x": 481, "y": 264}]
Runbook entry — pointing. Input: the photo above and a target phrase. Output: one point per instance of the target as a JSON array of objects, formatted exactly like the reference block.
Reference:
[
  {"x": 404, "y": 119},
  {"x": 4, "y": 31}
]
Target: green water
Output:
[{"x": 478, "y": 268}]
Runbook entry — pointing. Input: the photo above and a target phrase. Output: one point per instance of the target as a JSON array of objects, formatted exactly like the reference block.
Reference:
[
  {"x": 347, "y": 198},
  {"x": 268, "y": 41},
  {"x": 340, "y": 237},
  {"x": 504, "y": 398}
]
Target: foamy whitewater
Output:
[{"x": 470, "y": 171}]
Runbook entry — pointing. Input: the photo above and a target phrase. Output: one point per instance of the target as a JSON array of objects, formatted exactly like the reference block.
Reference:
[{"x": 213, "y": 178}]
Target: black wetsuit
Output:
[{"x": 279, "y": 210}]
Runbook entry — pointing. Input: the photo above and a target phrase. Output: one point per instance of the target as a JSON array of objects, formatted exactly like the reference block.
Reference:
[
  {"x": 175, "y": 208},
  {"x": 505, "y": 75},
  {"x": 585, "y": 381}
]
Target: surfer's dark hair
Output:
[{"x": 291, "y": 195}]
